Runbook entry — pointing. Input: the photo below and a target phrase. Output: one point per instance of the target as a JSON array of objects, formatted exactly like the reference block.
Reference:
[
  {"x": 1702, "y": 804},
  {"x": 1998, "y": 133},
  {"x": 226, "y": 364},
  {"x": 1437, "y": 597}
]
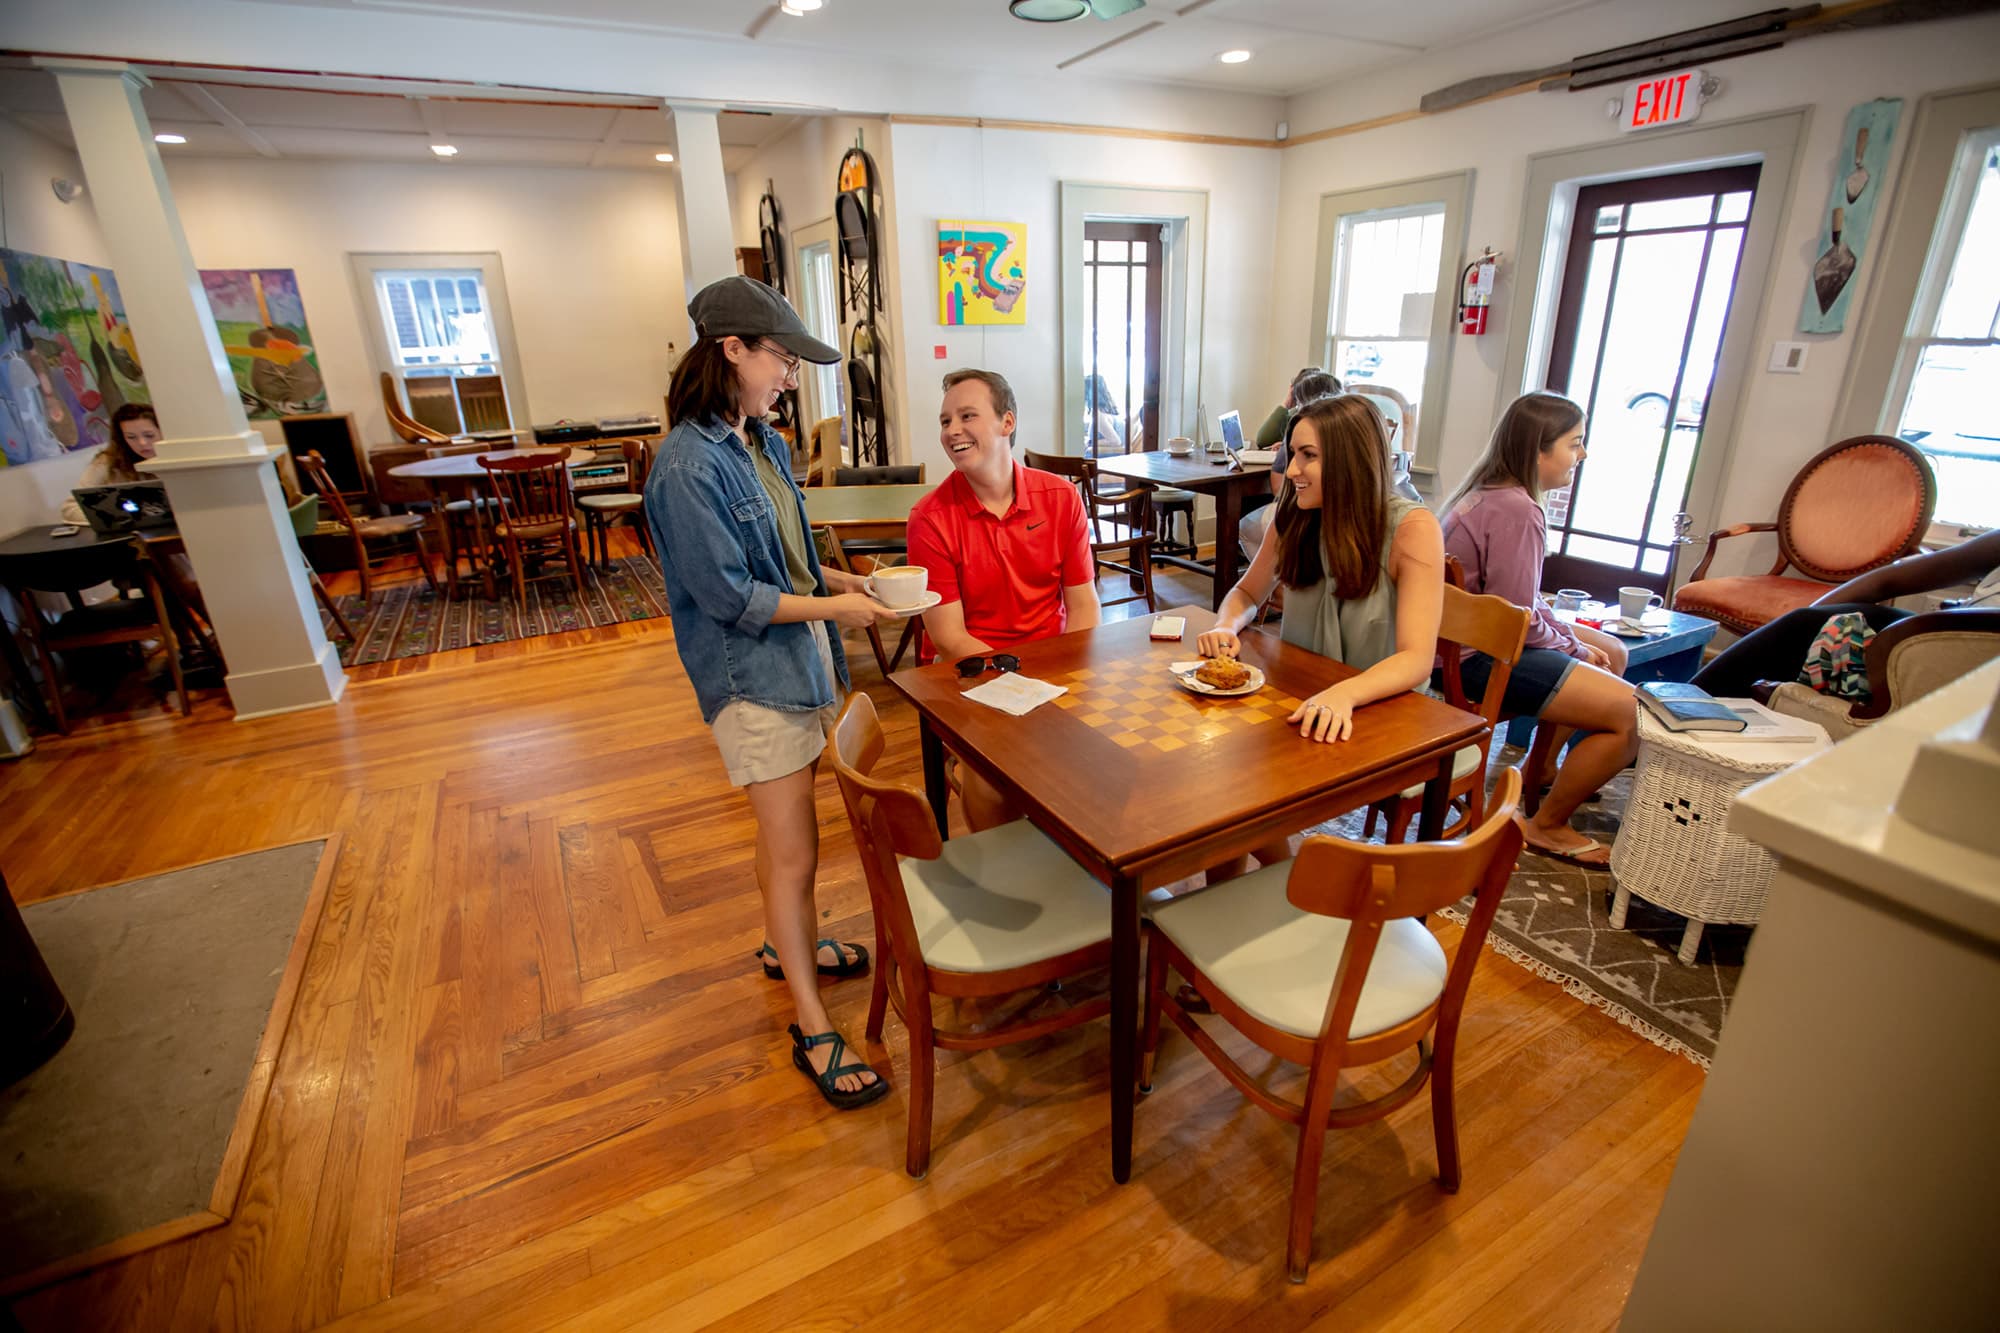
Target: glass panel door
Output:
[
  {"x": 1123, "y": 265},
  {"x": 1640, "y": 318}
]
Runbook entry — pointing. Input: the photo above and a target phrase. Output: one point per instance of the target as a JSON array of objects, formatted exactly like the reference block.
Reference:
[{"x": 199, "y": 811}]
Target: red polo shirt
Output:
[{"x": 1008, "y": 572}]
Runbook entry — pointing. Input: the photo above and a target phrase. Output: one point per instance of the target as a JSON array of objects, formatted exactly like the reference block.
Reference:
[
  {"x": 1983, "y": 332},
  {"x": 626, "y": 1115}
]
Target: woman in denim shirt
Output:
[{"x": 750, "y": 605}]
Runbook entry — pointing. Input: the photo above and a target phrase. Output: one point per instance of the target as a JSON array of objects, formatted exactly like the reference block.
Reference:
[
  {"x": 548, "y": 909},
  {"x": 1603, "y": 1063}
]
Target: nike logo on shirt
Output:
[{"x": 1033, "y": 526}]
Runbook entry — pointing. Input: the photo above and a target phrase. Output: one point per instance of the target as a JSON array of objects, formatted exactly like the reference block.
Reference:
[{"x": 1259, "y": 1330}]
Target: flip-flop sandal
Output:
[
  {"x": 835, "y": 1070},
  {"x": 1573, "y": 855},
  {"x": 851, "y": 967}
]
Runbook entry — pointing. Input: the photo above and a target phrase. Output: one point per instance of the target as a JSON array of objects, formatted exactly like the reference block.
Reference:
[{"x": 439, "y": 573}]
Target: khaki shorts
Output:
[{"x": 763, "y": 744}]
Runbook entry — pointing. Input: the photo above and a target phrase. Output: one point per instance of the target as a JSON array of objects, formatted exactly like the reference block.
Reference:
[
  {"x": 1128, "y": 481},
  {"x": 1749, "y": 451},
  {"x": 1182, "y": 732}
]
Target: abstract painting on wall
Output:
[
  {"x": 69, "y": 360},
  {"x": 263, "y": 326},
  {"x": 982, "y": 272},
  {"x": 1850, "y": 214}
]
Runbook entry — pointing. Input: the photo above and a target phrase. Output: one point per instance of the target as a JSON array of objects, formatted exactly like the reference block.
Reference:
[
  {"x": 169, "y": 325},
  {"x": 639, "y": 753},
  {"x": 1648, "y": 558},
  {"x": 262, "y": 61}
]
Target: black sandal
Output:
[
  {"x": 835, "y": 1071},
  {"x": 853, "y": 967}
]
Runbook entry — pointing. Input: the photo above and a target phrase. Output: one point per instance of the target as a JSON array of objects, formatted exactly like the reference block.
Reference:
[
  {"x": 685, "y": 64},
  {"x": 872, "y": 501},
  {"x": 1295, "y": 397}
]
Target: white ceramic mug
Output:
[
  {"x": 1180, "y": 446},
  {"x": 899, "y": 586},
  {"x": 1570, "y": 599},
  {"x": 1634, "y": 602}
]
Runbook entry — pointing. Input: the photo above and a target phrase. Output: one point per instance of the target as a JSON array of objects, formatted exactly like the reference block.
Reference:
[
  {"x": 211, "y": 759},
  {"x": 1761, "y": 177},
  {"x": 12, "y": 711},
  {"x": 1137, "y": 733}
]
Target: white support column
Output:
[
  {"x": 218, "y": 470},
  {"x": 708, "y": 244}
]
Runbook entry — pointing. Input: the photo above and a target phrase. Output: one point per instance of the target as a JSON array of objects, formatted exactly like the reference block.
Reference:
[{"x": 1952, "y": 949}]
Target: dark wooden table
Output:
[
  {"x": 1228, "y": 485},
  {"x": 464, "y": 472},
  {"x": 1138, "y": 813}
]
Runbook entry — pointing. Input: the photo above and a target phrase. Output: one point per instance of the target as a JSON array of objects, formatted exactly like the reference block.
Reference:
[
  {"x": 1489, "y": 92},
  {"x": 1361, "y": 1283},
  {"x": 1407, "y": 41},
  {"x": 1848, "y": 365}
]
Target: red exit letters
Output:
[{"x": 1664, "y": 101}]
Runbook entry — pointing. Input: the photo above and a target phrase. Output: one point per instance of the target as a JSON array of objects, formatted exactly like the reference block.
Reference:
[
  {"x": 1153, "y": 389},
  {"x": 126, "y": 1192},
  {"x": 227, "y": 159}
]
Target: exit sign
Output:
[{"x": 1672, "y": 99}]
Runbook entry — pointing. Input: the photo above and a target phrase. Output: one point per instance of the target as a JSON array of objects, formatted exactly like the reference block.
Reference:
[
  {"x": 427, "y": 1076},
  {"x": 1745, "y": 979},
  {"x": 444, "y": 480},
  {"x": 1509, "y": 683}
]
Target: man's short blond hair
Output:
[{"x": 996, "y": 385}]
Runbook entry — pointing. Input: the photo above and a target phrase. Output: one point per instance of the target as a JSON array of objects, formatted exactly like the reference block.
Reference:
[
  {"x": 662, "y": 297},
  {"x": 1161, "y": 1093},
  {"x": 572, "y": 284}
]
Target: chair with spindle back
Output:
[
  {"x": 535, "y": 502},
  {"x": 1325, "y": 961},
  {"x": 395, "y": 532},
  {"x": 1132, "y": 510}
]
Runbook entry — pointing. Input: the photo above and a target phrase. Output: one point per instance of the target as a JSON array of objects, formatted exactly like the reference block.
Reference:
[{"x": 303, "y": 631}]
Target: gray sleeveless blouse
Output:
[{"x": 1360, "y": 631}]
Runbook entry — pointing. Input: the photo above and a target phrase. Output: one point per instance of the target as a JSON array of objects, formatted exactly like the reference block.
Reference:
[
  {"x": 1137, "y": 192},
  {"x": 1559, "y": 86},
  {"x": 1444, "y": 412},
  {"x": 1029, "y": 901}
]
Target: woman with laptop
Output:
[{"x": 135, "y": 436}]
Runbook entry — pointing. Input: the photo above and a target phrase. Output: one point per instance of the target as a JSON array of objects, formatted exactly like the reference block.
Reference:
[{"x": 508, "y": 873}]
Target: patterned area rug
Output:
[
  {"x": 409, "y": 620},
  {"x": 1555, "y": 921}
]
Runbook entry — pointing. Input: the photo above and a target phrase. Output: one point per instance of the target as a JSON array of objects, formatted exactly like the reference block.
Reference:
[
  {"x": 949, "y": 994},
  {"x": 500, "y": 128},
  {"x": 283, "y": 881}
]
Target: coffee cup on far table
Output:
[
  {"x": 1635, "y": 602},
  {"x": 1180, "y": 446},
  {"x": 899, "y": 586},
  {"x": 1570, "y": 599}
]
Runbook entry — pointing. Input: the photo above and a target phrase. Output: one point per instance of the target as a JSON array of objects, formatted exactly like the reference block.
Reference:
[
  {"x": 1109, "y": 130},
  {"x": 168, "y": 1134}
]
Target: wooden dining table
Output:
[
  {"x": 463, "y": 472},
  {"x": 1145, "y": 783},
  {"x": 1207, "y": 474}
]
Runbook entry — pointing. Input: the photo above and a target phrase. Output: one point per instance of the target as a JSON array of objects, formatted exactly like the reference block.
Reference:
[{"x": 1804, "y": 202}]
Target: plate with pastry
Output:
[{"x": 1220, "y": 676}]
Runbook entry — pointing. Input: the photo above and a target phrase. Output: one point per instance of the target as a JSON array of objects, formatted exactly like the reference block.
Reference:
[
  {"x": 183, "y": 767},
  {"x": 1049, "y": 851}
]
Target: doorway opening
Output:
[
  {"x": 1640, "y": 318},
  {"x": 1124, "y": 266},
  {"x": 819, "y": 386}
]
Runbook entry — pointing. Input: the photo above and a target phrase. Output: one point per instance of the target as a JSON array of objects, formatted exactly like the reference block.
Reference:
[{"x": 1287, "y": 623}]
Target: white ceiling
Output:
[
  {"x": 1297, "y": 44},
  {"x": 492, "y": 128}
]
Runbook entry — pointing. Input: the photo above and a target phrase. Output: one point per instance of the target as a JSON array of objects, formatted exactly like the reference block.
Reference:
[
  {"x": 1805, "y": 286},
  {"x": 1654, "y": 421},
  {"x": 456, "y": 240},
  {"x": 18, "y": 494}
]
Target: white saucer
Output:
[{"x": 931, "y": 599}]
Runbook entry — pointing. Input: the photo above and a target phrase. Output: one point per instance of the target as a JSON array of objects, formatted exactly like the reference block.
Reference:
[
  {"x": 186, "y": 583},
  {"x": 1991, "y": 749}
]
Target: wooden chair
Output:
[
  {"x": 833, "y": 551},
  {"x": 1905, "y": 661},
  {"x": 1486, "y": 624},
  {"x": 1325, "y": 962},
  {"x": 305, "y": 517},
  {"x": 601, "y": 509},
  {"x": 1168, "y": 502},
  {"x": 1397, "y": 412},
  {"x": 407, "y": 428},
  {"x": 534, "y": 515},
  {"x": 395, "y": 532},
  {"x": 125, "y": 620},
  {"x": 825, "y": 451},
  {"x": 984, "y": 915},
  {"x": 1131, "y": 509},
  {"x": 1856, "y": 505}
]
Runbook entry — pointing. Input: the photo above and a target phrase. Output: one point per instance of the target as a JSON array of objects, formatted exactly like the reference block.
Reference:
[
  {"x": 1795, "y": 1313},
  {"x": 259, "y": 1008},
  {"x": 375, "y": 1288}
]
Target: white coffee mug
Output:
[
  {"x": 900, "y": 586},
  {"x": 1180, "y": 446},
  {"x": 1633, "y": 602}
]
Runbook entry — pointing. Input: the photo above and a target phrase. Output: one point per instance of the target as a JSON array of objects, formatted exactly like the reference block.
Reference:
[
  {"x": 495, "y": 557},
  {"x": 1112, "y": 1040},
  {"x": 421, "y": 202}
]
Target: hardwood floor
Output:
[{"x": 536, "y": 1080}]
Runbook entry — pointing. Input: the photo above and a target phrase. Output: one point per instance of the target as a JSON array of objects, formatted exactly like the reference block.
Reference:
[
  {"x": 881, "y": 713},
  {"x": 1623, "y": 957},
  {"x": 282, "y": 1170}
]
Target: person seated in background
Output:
[
  {"x": 1777, "y": 651},
  {"x": 1568, "y": 675},
  {"x": 1007, "y": 549},
  {"x": 135, "y": 437},
  {"x": 1308, "y": 386},
  {"x": 1105, "y": 432}
]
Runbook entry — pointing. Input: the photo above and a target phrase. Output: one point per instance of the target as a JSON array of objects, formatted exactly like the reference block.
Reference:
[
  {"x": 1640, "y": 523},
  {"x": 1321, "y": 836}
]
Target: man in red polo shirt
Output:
[{"x": 1007, "y": 547}]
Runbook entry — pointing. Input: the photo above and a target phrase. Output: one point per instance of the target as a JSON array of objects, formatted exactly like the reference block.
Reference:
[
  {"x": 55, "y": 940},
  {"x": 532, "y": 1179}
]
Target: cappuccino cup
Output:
[
  {"x": 1634, "y": 602},
  {"x": 1180, "y": 446},
  {"x": 899, "y": 586}
]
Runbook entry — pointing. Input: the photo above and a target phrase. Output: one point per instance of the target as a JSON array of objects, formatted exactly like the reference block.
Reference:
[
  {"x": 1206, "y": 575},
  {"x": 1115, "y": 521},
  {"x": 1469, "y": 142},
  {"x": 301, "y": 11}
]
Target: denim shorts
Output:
[{"x": 1533, "y": 682}]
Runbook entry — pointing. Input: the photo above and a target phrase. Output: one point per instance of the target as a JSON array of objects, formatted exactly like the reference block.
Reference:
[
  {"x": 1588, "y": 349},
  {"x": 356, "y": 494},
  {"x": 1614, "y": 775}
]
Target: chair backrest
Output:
[
  {"x": 1369, "y": 886},
  {"x": 1919, "y": 653},
  {"x": 910, "y": 474},
  {"x": 825, "y": 450},
  {"x": 534, "y": 489},
  {"x": 1397, "y": 412},
  {"x": 407, "y": 428},
  {"x": 1485, "y": 624},
  {"x": 889, "y": 820},
  {"x": 638, "y": 452},
  {"x": 321, "y": 481},
  {"x": 1080, "y": 472},
  {"x": 1855, "y": 505}
]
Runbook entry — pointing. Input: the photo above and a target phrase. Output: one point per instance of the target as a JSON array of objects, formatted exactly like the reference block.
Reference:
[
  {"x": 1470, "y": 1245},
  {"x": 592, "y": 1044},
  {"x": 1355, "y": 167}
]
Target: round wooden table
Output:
[{"x": 463, "y": 471}]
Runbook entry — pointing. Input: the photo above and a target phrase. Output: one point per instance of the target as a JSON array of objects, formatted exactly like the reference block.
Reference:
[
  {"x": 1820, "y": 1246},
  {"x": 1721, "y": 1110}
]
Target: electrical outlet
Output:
[{"x": 1787, "y": 358}]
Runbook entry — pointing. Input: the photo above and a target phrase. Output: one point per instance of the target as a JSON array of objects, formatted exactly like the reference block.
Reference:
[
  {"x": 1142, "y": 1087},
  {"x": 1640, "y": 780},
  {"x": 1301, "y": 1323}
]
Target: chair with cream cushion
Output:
[
  {"x": 1326, "y": 962},
  {"x": 988, "y": 914}
]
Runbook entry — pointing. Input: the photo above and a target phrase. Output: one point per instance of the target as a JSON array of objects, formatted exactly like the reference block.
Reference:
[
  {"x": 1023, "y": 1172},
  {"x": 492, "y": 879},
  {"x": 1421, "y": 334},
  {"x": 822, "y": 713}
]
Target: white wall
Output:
[
  {"x": 36, "y": 222},
  {"x": 591, "y": 257},
  {"x": 1015, "y": 176},
  {"x": 1783, "y": 419}
]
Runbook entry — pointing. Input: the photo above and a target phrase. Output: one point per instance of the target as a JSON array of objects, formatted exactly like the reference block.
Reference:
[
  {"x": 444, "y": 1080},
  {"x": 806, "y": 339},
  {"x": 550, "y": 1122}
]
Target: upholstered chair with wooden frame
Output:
[
  {"x": 601, "y": 509},
  {"x": 1131, "y": 510},
  {"x": 1485, "y": 624},
  {"x": 983, "y": 916},
  {"x": 1855, "y": 505},
  {"x": 1904, "y": 662},
  {"x": 534, "y": 516},
  {"x": 395, "y": 532},
  {"x": 1325, "y": 961}
]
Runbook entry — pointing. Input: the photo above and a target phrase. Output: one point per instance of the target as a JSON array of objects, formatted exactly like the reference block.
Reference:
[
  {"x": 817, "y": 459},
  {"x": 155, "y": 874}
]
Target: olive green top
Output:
[
  {"x": 791, "y": 531},
  {"x": 1360, "y": 631}
]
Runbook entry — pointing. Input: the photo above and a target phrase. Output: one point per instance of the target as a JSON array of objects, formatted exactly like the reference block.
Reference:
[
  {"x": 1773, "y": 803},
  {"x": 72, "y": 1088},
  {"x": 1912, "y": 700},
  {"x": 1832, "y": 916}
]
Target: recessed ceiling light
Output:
[
  {"x": 444, "y": 150},
  {"x": 170, "y": 138},
  {"x": 1048, "y": 11},
  {"x": 663, "y": 157},
  {"x": 1236, "y": 57},
  {"x": 798, "y": 7}
]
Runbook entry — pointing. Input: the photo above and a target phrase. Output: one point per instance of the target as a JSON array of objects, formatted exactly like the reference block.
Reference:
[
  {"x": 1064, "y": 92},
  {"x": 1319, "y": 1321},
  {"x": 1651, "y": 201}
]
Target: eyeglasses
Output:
[
  {"x": 973, "y": 666},
  {"x": 790, "y": 363}
]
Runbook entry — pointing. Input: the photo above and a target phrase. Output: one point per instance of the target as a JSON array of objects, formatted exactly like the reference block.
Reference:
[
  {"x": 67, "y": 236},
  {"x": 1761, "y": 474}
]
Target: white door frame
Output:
[{"x": 814, "y": 233}]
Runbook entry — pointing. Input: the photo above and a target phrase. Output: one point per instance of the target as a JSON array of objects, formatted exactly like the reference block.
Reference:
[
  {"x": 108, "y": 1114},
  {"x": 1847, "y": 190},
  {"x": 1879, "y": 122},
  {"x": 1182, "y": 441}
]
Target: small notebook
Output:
[{"x": 1681, "y": 707}]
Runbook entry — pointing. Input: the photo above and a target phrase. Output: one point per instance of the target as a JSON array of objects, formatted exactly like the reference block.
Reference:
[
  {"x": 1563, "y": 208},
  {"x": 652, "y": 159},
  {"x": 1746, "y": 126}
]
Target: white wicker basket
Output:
[{"x": 1675, "y": 848}]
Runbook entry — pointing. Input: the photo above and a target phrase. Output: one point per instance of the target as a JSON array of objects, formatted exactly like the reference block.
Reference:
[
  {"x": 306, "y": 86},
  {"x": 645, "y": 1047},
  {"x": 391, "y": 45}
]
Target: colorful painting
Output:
[
  {"x": 69, "y": 360},
  {"x": 982, "y": 272},
  {"x": 263, "y": 326},
  {"x": 1850, "y": 213}
]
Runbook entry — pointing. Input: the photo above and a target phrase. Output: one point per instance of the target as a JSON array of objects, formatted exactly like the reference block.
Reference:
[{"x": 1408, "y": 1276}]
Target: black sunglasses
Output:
[{"x": 972, "y": 666}]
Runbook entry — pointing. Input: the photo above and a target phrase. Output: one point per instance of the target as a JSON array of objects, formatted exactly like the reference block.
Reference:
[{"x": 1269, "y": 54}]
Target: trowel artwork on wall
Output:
[
  {"x": 1850, "y": 214},
  {"x": 262, "y": 321},
  {"x": 68, "y": 361}
]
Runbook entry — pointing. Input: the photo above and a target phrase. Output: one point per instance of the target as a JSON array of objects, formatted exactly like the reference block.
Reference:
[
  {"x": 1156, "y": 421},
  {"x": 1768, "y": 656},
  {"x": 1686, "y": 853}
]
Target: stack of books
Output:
[{"x": 1689, "y": 708}]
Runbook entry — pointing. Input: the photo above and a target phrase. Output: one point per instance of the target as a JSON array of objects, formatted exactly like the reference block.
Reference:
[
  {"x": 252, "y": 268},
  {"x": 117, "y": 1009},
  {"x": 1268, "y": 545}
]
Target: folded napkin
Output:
[{"x": 1015, "y": 693}]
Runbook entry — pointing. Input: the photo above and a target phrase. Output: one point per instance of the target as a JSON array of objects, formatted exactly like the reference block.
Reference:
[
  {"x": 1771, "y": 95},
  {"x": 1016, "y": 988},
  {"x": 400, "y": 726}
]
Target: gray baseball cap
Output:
[{"x": 748, "y": 308}]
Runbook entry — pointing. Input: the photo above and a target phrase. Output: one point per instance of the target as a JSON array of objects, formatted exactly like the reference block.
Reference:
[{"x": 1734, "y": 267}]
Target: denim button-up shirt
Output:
[{"x": 724, "y": 566}]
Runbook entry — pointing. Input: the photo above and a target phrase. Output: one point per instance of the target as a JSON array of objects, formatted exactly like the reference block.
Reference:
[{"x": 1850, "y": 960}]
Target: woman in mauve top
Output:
[{"x": 1568, "y": 675}]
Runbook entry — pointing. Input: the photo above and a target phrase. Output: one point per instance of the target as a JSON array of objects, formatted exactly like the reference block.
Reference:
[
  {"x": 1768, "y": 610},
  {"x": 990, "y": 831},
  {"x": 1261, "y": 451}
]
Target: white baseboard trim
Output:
[{"x": 288, "y": 689}]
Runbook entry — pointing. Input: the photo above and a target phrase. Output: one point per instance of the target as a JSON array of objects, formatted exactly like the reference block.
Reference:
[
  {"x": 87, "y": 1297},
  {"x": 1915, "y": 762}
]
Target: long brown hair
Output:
[
  {"x": 122, "y": 457},
  {"x": 704, "y": 385},
  {"x": 1342, "y": 538},
  {"x": 1531, "y": 423}
]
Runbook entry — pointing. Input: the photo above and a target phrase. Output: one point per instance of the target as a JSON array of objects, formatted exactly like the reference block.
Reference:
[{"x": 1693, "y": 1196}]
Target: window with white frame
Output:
[
  {"x": 1941, "y": 398},
  {"x": 1385, "y": 283},
  {"x": 438, "y": 320}
]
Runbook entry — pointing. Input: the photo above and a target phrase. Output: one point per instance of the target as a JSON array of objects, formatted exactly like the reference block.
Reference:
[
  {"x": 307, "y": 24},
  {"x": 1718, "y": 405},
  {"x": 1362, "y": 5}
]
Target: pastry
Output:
[{"x": 1223, "y": 673}]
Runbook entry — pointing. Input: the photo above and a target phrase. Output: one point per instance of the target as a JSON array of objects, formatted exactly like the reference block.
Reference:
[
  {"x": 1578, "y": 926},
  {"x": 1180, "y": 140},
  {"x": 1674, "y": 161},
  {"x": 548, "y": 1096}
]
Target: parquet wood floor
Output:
[{"x": 537, "y": 1082}]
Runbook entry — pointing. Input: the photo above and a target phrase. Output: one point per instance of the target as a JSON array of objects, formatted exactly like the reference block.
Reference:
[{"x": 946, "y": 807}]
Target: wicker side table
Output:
[{"x": 1675, "y": 848}]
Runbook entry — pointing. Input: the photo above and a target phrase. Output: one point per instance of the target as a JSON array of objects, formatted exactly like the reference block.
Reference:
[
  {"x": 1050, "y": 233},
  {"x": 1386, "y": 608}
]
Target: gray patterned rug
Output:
[{"x": 1555, "y": 921}]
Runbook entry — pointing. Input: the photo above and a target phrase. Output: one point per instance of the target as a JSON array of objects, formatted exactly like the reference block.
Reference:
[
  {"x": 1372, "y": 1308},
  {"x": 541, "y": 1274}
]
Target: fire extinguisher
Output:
[{"x": 1476, "y": 292}]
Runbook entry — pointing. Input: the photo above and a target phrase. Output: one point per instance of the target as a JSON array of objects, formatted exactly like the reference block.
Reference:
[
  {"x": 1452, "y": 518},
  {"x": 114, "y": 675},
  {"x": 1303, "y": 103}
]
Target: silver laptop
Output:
[{"x": 130, "y": 506}]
